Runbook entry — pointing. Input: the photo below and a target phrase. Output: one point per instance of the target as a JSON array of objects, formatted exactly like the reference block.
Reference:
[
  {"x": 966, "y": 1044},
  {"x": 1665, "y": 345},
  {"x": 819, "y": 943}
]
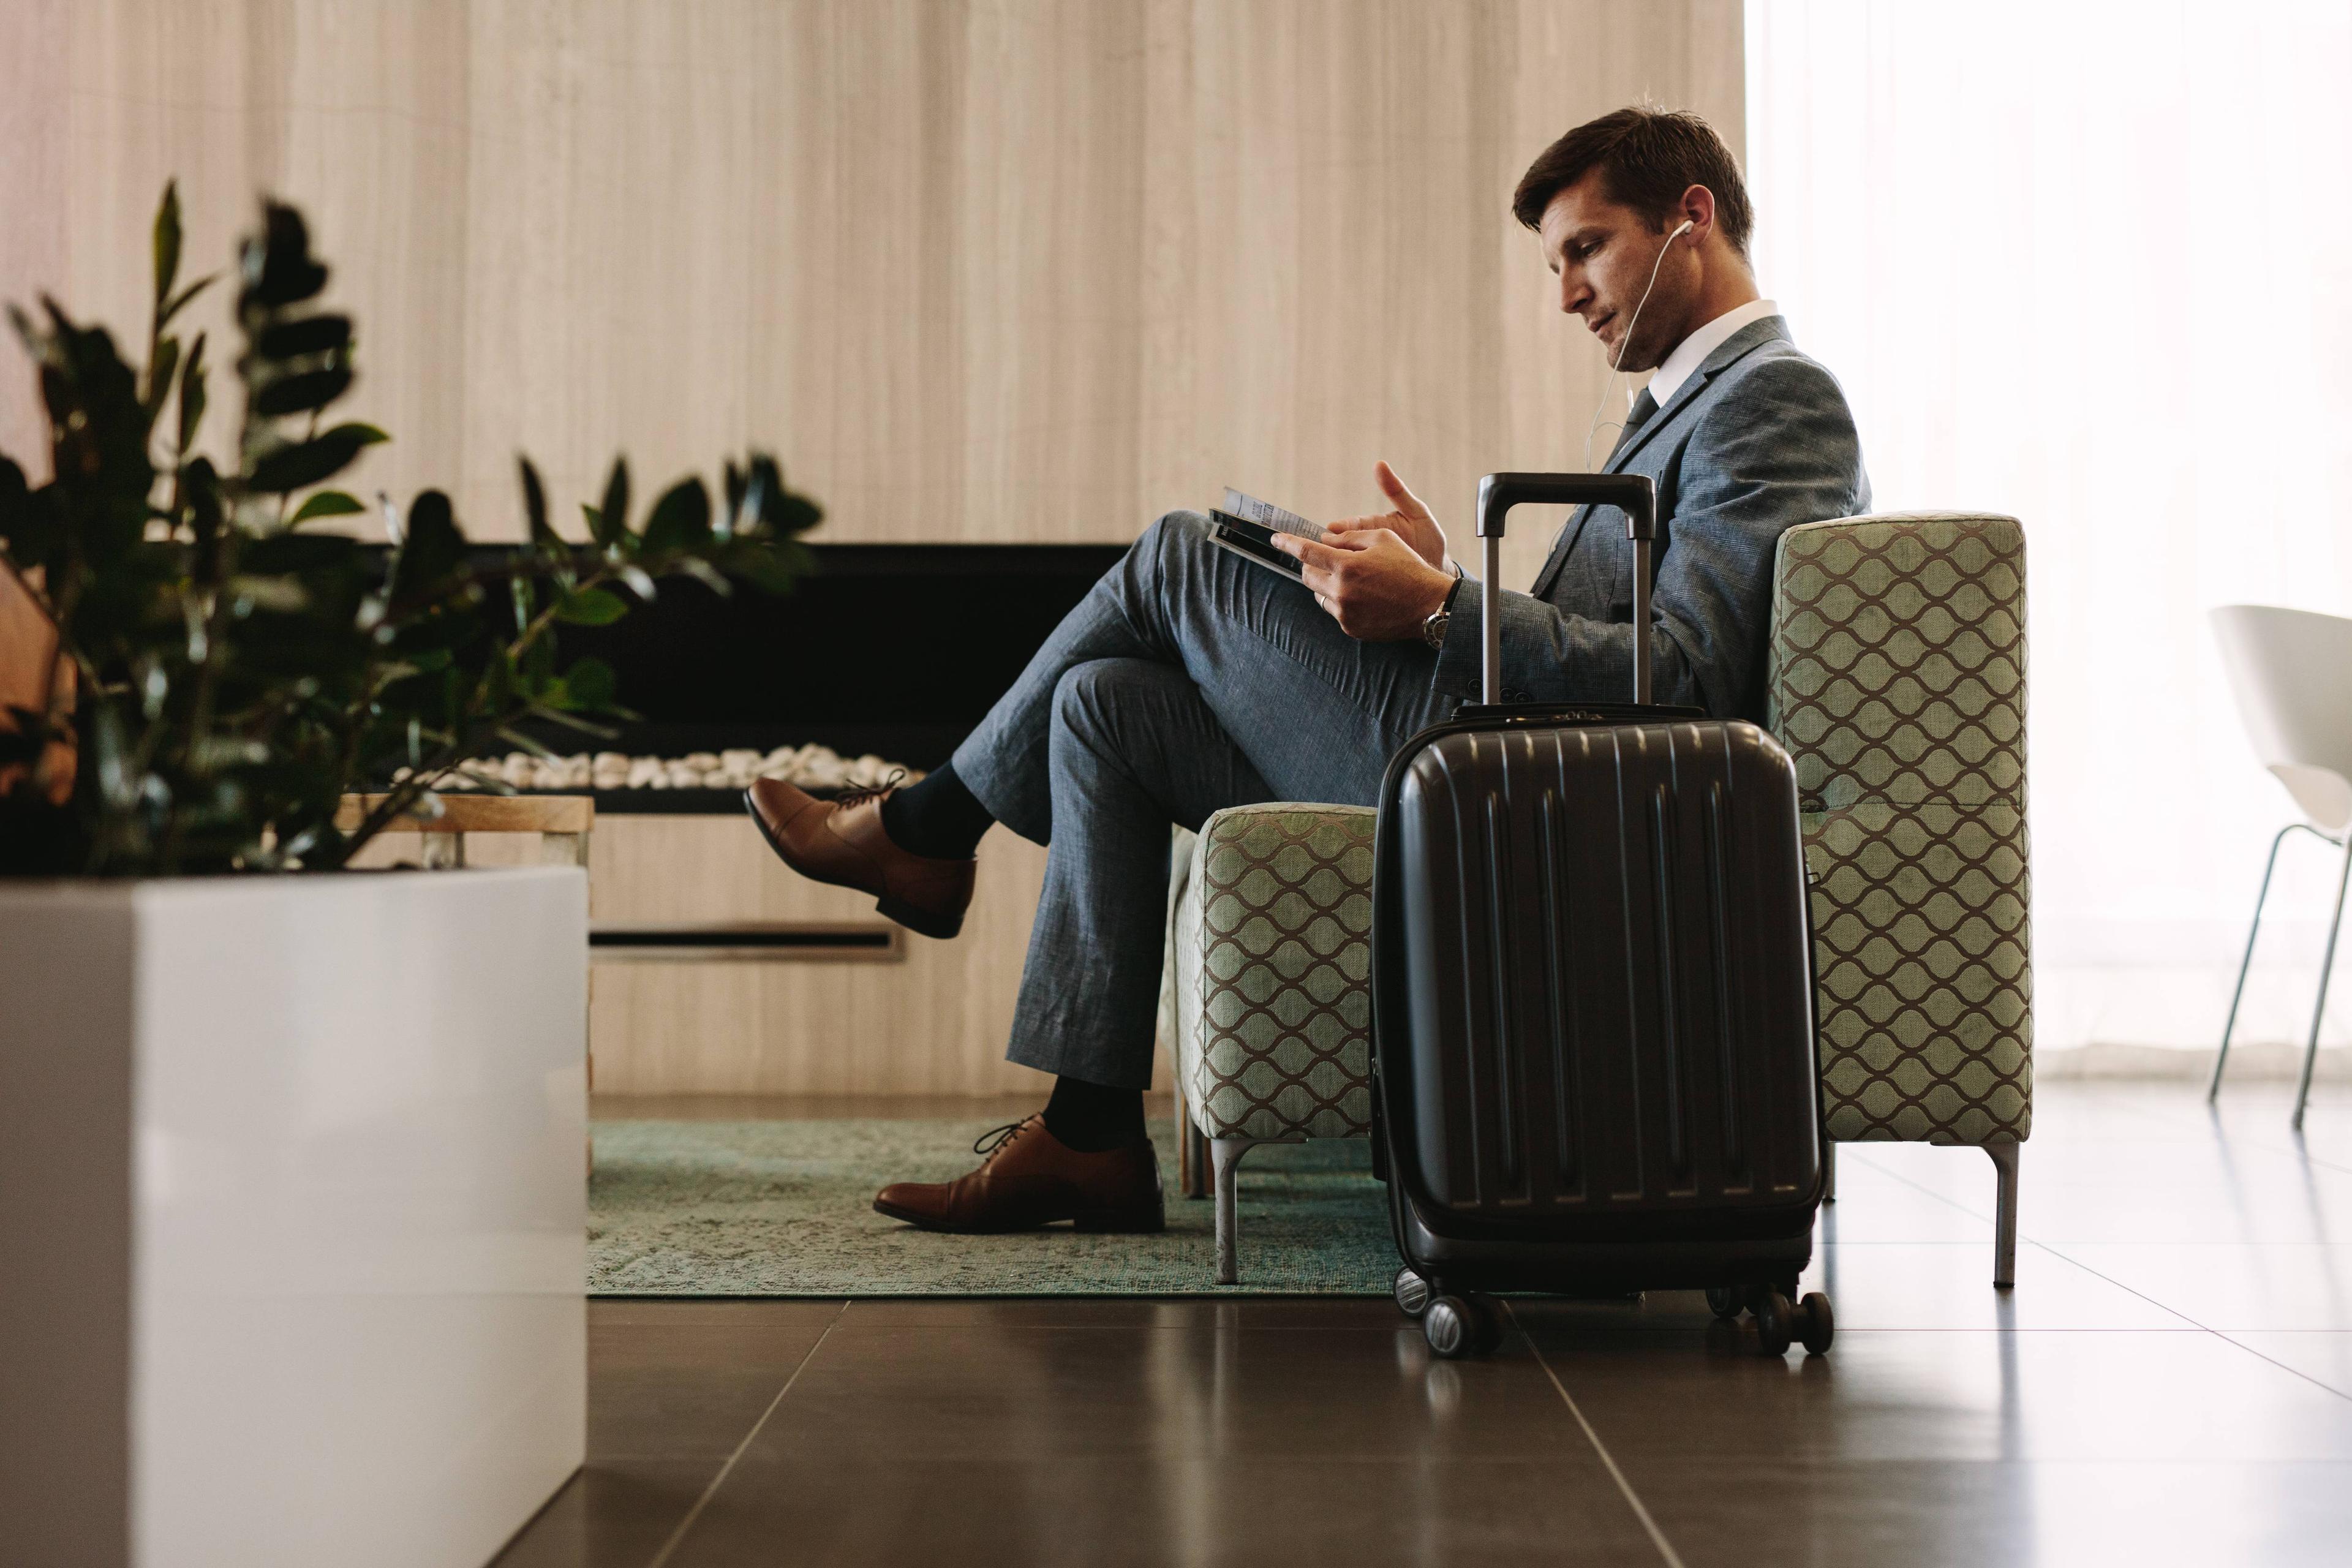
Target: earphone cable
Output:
[{"x": 1622, "y": 344}]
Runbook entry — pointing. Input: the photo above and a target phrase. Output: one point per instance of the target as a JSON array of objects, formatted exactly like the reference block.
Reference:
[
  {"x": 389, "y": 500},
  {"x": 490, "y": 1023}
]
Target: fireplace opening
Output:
[{"x": 884, "y": 656}]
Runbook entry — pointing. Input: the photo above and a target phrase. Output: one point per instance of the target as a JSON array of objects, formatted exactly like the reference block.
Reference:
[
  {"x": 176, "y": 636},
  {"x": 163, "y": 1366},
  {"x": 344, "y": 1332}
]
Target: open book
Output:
[{"x": 1245, "y": 525}]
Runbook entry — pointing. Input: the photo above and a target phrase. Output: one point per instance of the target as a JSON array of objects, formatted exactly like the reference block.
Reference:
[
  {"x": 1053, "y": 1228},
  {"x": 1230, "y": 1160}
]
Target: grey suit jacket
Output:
[{"x": 1758, "y": 440}]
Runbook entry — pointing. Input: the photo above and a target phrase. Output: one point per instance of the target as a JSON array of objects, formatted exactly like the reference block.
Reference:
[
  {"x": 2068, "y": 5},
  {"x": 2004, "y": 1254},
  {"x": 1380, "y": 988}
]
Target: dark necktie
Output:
[{"x": 1635, "y": 417}]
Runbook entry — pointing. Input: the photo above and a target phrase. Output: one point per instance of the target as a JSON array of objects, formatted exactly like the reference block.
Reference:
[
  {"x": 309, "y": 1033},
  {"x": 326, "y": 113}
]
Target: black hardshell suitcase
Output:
[{"x": 1592, "y": 1018}]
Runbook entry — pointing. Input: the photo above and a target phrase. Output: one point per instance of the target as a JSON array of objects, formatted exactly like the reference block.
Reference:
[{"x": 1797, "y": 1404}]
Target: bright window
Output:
[{"x": 2091, "y": 265}]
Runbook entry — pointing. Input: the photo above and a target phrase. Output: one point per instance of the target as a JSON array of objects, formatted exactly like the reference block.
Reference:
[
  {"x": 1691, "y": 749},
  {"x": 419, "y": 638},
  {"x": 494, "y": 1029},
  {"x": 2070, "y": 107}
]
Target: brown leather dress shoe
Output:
[
  {"x": 841, "y": 842},
  {"x": 1031, "y": 1178}
]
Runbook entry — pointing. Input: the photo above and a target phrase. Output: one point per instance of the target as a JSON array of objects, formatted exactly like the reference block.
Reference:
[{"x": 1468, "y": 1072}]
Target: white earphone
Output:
[{"x": 1624, "y": 343}]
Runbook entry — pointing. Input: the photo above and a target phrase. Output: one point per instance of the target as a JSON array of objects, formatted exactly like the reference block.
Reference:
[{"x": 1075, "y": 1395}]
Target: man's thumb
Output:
[{"x": 1395, "y": 488}]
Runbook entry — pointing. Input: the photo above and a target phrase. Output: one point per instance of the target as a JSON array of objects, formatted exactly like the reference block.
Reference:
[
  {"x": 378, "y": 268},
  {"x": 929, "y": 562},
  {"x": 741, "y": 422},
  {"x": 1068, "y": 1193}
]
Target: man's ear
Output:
[{"x": 1697, "y": 206}]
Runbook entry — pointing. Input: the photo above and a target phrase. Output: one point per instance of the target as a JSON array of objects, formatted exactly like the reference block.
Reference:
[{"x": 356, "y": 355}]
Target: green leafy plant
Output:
[{"x": 234, "y": 672}]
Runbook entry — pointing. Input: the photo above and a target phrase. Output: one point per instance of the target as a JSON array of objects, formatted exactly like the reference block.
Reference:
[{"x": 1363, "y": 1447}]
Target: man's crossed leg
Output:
[{"x": 1186, "y": 680}]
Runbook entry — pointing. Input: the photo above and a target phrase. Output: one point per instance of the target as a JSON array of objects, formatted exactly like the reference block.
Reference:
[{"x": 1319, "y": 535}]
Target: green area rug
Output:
[{"x": 786, "y": 1208}]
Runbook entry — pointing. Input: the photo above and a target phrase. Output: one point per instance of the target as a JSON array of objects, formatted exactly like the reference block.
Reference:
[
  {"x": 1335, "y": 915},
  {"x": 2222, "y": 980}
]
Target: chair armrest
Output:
[{"x": 1270, "y": 944}]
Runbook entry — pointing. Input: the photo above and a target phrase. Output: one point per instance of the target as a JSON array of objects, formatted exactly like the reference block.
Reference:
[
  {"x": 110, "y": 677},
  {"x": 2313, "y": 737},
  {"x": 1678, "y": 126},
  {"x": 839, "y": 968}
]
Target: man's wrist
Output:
[
  {"x": 1444, "y": 589},
  {"x": 1434, "y": 624}
]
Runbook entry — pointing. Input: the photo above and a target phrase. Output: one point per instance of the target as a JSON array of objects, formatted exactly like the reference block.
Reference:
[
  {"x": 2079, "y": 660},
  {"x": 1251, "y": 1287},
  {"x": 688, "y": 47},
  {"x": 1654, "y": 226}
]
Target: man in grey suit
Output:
[{"x": 1189, "y": 681}]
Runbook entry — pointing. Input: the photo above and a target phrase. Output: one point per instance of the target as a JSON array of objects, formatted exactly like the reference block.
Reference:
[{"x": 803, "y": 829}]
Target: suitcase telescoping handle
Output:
[{"x": 1632, "y": 494}]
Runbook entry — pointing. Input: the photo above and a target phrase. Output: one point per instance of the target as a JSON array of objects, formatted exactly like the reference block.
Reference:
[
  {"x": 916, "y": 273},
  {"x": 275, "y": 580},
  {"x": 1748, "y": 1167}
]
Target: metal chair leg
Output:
[
  {"x": 2247, "y": 963},
  {"x": 1829, "y": 1172},
  {"x": 2004, "y": 1228},
  {"x": 2319, "y": 1005},
  {"x": 1181, "y": 1131},
  {"x": 1225, "y": 1156}
]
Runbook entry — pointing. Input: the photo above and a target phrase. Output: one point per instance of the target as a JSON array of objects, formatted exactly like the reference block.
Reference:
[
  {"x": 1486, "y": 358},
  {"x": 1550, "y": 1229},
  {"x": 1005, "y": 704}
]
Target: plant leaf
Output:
[
  {"x": 277, "y": 262},
  {"x": 179, "y": 301},
  {"x": 167, "y": 241},
  {"x": 591, "y": 607},
  {"x": 573, "y": 721},
  {"x": 766, "y": 565},
  {"x": 160, "y": 376},
  {"x": 709, "y": 576},
  {"x": 192, "y": 395},
  {"x": 523, "y": 742},
  {"x": 609, "y": 522},
  {"x": 301, "y": 392},
  {"x": 16, "y": 499},
  {"x": 303, "y": 337},
  {"x": 327, "y": 503},
  {"x": 431, "y": 550},
  {"x": 534, "y": 506},
  {"x": 590, "y": 683},
  {"x": 32, "y": 528},
  {"x": 302, "y": 464},
  {"x": 681, "y": 519}
]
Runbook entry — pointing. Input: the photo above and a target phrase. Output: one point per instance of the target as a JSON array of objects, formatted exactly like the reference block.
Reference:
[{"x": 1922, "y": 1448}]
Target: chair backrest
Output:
[
  {"x": 1896, "y": 680},
  {"x": 2291, "y": 671},
  {"x": 1898, "y": 665}
]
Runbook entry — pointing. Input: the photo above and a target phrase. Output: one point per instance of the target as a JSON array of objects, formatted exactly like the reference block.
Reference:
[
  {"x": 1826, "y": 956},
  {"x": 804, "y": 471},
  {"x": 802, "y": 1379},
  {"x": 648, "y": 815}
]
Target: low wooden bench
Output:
[{"x": 562, "y": 821}]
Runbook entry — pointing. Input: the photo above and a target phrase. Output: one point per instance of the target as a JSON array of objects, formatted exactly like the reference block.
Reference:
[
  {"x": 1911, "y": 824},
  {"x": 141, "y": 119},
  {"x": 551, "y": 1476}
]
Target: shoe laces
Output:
[
  {"x": 997, "y": 1140},
  {"x": 858, "y": 795}
]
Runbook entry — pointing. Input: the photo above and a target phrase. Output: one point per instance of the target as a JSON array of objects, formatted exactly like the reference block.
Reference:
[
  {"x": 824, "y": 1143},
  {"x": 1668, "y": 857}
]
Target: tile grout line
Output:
[
  {"x": 2222, "y": 1334},
  {"x": 727, "y": 1468},
  {"x": 1657, "y": 1537}
]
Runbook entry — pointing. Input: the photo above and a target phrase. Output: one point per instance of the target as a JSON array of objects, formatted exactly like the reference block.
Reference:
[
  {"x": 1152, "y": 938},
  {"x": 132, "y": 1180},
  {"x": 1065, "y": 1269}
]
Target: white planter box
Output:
[{"x": 292, "y": 1216}]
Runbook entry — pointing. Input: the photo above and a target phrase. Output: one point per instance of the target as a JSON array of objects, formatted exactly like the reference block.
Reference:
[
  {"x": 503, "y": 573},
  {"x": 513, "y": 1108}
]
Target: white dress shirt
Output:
[{"x": 1692, "y": 351}]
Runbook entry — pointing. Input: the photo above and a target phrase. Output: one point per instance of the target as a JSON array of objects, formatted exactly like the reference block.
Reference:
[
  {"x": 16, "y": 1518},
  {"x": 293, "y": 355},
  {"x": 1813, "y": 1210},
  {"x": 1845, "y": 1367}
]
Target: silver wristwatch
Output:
[{"x": 1433, "y": 627}]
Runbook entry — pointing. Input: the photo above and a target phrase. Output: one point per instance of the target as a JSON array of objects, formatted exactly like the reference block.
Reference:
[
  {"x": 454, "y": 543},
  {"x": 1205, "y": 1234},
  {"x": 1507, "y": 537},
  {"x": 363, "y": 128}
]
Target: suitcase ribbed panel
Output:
[{"x": 1604, "y": 980}]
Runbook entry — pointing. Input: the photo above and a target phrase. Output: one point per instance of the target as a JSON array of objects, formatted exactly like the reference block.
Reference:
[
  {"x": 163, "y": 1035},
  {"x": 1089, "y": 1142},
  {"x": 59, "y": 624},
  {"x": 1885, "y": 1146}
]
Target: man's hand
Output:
[
  {"x": 1410, "y": 520},
  {"x": 1377, "y": 587}
]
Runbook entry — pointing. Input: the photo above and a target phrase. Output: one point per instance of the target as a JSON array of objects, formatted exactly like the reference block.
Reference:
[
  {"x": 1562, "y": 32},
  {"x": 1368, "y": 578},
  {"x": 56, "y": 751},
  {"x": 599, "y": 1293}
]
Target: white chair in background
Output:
[{"x": 2291, "y": 671}]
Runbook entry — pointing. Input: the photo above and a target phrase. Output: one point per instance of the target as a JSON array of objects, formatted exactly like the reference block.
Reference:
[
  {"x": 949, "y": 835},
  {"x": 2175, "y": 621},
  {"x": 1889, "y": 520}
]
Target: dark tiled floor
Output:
[{"x": 2169, "y": 1382}]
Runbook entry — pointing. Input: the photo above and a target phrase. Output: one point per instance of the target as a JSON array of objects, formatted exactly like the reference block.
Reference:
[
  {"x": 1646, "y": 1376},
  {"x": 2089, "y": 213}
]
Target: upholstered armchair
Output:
[{"x": 1898, "y": 683}]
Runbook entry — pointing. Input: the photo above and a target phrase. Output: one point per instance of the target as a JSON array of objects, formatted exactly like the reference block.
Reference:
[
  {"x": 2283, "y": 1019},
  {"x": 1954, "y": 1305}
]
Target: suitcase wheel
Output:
[
  {"x": 1412, "y": 1292},
  {"x": 1724, "y": 1300},
  {"x": 1777, "y": 1323},
  {"x": 1815, "y": 1325},
  {"x": 1458, "y": 1326}
]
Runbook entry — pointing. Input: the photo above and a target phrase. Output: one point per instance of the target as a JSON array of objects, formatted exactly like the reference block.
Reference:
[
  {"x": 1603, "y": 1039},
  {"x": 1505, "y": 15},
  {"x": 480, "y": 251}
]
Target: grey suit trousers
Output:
[{"x": 1186, "y": 682}]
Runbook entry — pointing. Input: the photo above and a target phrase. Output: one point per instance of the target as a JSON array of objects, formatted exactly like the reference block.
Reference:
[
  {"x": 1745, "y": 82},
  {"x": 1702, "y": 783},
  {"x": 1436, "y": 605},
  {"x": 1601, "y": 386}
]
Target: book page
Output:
[{"x": 1268, "y": 515}]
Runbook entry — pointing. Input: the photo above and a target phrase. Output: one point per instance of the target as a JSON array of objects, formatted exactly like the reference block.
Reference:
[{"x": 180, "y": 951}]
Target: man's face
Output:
[{"x": 1602, "y": 254}]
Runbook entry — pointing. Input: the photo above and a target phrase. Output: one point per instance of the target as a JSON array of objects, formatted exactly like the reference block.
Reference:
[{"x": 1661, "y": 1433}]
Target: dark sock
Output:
[
  {"x": 1090, "y": 1118},
  {"x": 936, "y": 816}
]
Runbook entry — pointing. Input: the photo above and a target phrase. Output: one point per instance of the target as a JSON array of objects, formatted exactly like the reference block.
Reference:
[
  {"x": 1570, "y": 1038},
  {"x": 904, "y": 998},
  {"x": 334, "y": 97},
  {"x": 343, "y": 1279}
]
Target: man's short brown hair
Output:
[{"x": 1647, "y": 159}]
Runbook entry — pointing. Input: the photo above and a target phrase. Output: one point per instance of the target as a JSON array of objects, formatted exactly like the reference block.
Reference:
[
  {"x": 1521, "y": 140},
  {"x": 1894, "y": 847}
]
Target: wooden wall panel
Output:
[
  {"x": 1035, "y": 270},
  {"x": 974, "y": 269}
]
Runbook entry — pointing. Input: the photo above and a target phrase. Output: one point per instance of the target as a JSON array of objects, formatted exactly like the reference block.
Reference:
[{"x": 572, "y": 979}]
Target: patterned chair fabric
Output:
[
  {"x": 1898, "y": 681},
  {"x": 1268, "y": 998}
]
